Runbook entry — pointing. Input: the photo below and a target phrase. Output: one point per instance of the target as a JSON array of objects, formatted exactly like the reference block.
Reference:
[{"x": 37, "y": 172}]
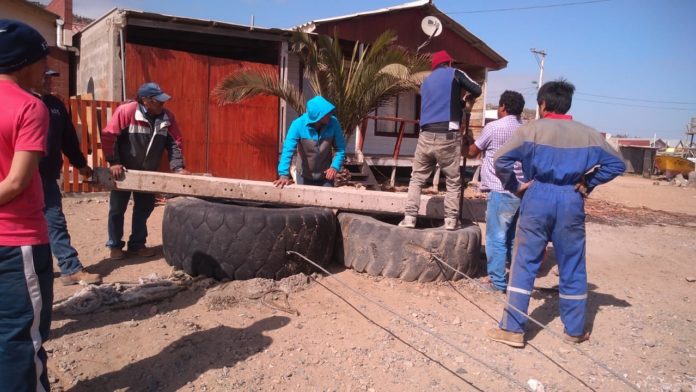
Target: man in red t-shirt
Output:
[{"x": 26, "y": 268}]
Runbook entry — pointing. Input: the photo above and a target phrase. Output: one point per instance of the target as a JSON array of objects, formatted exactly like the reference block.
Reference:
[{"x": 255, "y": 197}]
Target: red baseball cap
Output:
[{"x": 440, "y": 57}]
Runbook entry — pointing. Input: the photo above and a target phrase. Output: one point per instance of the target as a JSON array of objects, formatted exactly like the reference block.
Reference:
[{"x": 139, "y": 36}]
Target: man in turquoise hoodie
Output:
[{"x": 314, "y": 135}]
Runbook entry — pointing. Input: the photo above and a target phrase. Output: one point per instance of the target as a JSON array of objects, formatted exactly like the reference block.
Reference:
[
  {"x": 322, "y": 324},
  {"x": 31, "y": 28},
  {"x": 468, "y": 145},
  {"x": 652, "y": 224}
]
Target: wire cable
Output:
[
  {"x": 630, "y": 105},
  {"x": 532, "y": 7},
  {"x": 412, "y": 323},
  {"x": 484, "y": 311},
  {"x": 636, "y": 99},
  {"x": 395, "y": 336},
  {"x": 543, "y": 327}
]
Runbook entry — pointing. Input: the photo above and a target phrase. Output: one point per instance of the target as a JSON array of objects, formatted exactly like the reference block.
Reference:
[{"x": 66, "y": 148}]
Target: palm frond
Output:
[
  {"x": 356, "y": 84},
  {"x": 251, "y": 83}
]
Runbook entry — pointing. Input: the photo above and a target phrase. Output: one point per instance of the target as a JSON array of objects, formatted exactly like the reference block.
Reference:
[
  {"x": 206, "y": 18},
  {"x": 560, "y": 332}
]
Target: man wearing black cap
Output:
[
  {"x": 62, "y": 138},
  {"x": 135, "y": 138},
  {"x": 26, "y": 268}
]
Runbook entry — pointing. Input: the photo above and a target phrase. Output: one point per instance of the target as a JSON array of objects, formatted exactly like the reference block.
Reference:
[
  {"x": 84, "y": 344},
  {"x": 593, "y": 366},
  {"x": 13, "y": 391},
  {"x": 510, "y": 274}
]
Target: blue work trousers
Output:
[
  {"x": 143, "y": 205},
  {"x": 26, "y": 284},
  {"x": 501, "y": 220},
  {"x": 62, "y": 249},
  {"x": 549, "y": 213}
]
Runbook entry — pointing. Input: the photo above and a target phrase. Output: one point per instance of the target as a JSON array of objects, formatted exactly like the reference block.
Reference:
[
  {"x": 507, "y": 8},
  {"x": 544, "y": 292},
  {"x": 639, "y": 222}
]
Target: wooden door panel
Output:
[
  {"x": 184, "y": 76},
  {"x": 244, "y": 136}
]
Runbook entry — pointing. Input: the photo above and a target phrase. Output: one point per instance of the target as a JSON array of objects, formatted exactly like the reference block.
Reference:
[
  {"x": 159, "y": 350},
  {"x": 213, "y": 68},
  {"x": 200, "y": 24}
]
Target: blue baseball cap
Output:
[
  {"x": 20, "y": 45},
  {"x": 153, "y": 90}
]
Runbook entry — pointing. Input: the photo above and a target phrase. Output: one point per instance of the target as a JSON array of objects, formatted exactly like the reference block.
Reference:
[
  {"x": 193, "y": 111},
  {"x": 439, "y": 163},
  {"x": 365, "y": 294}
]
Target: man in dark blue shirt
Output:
[
  {"x": 439, "y": 141},
  {"x": 62, "y": 139}
]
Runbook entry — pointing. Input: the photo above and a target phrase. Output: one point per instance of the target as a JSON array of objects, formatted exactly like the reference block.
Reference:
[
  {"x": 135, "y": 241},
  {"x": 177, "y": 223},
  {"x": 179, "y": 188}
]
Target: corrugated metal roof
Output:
[
  {"x": 413, "y": 4},
  {"x": 189, "y": 21}
]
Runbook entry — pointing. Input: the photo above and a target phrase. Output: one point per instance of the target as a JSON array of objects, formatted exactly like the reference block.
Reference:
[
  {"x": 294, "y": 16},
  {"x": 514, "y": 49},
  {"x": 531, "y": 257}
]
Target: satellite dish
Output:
[{"x": 431, "y": 26}]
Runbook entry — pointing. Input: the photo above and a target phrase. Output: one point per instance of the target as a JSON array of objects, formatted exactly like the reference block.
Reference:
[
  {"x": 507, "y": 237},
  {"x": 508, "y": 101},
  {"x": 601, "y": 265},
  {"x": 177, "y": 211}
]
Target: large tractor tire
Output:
[
  {"x": 229, "y": 240},
  {"x": 381, "y": 248}
]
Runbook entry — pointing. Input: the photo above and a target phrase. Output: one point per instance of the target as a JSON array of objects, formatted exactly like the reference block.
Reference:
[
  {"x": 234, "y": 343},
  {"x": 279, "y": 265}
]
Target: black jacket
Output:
[{"x": 62, "y": 139}]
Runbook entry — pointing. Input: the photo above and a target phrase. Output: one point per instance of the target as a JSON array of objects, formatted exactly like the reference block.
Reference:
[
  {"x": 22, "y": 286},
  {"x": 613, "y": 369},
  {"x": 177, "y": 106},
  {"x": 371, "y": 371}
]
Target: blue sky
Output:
[{"x": 637, "y": 50}]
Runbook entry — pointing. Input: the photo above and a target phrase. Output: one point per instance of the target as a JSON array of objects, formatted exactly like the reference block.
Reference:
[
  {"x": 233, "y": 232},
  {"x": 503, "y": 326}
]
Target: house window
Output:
[{"x": 404, "y": 106}]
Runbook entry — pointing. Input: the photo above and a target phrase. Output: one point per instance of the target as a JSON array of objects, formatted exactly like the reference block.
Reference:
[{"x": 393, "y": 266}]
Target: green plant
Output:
[{"x": 356, "y": 85}]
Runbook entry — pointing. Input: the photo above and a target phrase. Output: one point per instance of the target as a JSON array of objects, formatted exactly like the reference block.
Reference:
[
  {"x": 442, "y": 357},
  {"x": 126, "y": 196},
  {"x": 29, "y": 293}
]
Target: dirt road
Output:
[{"x": 641, "y": 312}]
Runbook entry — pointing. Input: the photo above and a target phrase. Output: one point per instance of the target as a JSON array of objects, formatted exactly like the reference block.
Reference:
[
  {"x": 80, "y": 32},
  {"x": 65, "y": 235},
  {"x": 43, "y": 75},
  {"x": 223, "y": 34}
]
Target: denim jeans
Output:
[
  {"x": 304, "y": 181},
  {"x": 65, "y": 254},
  {"x": 443, "y": 149},
  {"x": 143, "y": 205},
  {"x": 501, "y": 220}
]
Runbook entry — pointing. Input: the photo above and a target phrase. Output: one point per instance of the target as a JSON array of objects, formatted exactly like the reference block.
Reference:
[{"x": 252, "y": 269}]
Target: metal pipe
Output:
[
  {"x": 123, "y": 64},
  {"x": 59, "y": 38}
]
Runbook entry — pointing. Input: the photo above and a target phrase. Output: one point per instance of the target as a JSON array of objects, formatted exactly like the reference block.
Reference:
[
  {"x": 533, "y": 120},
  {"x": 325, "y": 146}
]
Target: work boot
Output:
[
  {"x": 576, "y": 339},
  {"x": 452, "y": 224},
  {"x": 496, "y": 290},
  {"x": 513, "y": 339},
  {"x": 80, "y": 277},
  {"x": 408, "y": 222},
  {"x": 143, "y": 252},
  {"x": 117, "y": 254}
]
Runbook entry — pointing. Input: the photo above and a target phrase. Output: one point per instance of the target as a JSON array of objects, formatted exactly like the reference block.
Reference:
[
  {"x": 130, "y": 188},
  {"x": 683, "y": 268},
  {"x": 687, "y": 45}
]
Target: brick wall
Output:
[
  {"x": 63, "y": 8},
  {"x": 58, "y": 61}
]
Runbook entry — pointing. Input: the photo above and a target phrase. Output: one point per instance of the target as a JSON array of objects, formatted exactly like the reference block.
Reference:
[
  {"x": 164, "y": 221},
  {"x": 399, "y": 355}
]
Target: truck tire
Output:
[
  {"x": 379, "y": 248},
  {"x": 230, "y": 240}
]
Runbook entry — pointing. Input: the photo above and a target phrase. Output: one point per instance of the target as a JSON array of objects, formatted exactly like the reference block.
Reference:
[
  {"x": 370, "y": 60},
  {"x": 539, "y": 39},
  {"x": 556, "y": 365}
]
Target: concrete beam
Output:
[{"x": 342, "y": 198}]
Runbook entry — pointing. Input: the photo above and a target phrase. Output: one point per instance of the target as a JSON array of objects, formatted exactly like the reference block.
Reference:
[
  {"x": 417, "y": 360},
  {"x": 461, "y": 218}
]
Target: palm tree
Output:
[{"x": 356, "y": 86}]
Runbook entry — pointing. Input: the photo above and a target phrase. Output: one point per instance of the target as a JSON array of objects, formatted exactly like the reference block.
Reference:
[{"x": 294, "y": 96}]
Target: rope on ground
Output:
[
  {"x": 599, "y": 363},
  {"x": 118, "y": 295},
  {"x": 412, "y": 323}
]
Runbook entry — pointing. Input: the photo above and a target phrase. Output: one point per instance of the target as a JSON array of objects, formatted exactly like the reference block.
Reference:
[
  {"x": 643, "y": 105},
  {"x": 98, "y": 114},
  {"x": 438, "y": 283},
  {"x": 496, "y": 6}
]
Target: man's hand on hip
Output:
[
  {"x": 117, "y": 171},
  {"x": 330, "y": 173},
  {"x": 581, "y": 187},
  {"x": 523, "y": 188},
  {"x": 282, "y": 182}
]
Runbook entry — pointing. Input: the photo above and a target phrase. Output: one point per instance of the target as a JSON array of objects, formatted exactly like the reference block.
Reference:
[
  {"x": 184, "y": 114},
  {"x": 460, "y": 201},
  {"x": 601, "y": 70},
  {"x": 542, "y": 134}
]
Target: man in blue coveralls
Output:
[
  {"x": 314, "y": 135},
  {"x": 564, "y": 161}
]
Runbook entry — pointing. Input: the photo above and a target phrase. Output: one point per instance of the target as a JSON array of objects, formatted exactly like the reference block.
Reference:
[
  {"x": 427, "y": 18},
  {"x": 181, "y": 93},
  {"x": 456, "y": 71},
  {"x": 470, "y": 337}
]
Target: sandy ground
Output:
[{"x": 641, "y": 313}]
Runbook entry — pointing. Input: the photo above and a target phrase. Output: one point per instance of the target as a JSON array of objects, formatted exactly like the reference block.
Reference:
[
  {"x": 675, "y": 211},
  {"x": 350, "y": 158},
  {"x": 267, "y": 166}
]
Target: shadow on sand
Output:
[
  {"x": 549, "y": 310},
  {"x": 187, "y": 358}
]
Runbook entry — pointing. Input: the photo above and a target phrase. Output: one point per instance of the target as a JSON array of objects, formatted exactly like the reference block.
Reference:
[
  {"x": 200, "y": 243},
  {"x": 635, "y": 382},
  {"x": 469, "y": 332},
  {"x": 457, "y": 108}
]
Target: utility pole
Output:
[{"x": 540, "y": 56}]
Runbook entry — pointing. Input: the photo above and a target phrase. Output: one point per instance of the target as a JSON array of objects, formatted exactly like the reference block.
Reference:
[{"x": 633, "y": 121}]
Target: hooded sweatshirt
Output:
[{"x": 314, "y": 146}]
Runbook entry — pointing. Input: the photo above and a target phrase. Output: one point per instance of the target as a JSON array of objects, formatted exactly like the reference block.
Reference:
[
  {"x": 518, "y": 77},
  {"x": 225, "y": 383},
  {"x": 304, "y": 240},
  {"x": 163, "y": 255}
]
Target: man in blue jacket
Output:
[
  {"x": 439, "y": 141},
  {"x": 564, "y": 160},
  {"x": 314, "y": 135},
  {"x": 62, "y": 138}
]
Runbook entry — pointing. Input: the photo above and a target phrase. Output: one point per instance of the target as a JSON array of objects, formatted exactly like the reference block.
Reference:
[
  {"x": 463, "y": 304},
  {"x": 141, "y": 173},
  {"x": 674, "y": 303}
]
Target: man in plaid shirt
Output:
[{"x": 502, "y": 207}]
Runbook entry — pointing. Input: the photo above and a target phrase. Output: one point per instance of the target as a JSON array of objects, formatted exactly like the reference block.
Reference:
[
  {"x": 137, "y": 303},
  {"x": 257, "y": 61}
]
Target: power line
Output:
[
  {"x": 638, "y": 99},
  {"x": 532, "y": 7},
  {"x": 634, "y": 106}
]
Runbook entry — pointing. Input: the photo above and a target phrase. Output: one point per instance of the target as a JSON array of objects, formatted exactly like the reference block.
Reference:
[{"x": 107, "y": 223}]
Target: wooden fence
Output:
[{"x": 89, "y": 117}]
